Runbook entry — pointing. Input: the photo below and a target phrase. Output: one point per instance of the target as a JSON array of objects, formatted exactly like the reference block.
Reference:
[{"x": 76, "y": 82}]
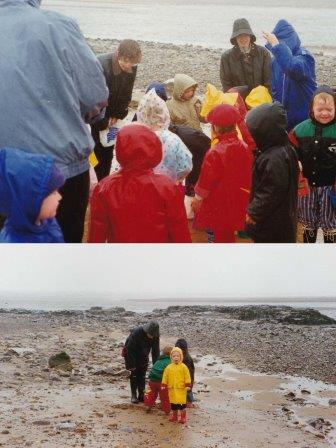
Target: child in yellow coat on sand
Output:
[{"x": 176, "y": 378}]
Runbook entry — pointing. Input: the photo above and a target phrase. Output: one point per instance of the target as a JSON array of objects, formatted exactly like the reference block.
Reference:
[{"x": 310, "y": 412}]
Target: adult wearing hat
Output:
[
  {"x": 138, "y": 345},
  {"x": 246, "y": 65}
]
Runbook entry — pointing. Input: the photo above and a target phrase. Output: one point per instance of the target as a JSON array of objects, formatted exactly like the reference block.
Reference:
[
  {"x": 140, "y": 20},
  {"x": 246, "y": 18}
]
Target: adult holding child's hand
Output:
[{"x": 293, "y": 72}]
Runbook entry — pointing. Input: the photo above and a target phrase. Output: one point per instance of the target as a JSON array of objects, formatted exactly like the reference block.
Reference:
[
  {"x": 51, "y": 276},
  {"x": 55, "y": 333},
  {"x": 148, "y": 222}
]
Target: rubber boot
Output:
[
  {"x": 141, "y": 396},
  {"x": 173, "y": 417},
  {"x": 133, "y": 383},
  {"x": 183, "y": 416}
]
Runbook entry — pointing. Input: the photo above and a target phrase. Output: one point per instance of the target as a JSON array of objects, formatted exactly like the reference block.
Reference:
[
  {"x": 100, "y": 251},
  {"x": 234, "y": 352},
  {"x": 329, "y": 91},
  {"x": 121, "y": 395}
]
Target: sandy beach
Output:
[{"x": 265, "y": 376}]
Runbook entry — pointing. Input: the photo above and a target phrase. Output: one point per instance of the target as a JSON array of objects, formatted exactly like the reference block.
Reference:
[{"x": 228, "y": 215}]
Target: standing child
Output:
[
  {"x": 272, "y": 212},
  {"x": 176, "y": 378},
  {"x": 316, "y": 138},
  {"x": 155, "y": 378},
  {"x": 29, "y": 197},
  {"x": 222, "y": 189},
  {"x": 136, "y": 205},
  {"x": 184, "y": 107},
  {"x": 188, "y": 361}
]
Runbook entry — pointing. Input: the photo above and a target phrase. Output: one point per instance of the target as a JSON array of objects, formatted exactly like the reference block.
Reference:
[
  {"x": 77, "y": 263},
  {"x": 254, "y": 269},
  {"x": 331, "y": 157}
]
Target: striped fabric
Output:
[{"x": 315, "y": 210}]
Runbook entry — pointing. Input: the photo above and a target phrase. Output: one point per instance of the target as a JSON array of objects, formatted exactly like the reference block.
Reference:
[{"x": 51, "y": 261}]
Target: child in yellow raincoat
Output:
[{"x": 176, "y": 378}]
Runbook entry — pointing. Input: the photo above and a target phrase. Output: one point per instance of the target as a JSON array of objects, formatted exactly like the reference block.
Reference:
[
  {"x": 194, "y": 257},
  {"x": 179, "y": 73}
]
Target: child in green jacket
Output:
[{"x": 155, "y": 378}]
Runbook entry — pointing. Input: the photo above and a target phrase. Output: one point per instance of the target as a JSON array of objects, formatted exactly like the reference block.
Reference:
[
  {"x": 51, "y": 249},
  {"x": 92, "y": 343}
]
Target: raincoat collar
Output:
[{"x": 138, "y": 148}]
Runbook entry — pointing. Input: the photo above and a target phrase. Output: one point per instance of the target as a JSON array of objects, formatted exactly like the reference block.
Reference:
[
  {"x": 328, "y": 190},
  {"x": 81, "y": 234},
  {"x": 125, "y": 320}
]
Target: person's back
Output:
[
  {"x": 25, "y": 181},
  {"x": 272, "y": 212},
  {"x": 293, "y": 72},
  {"x": 184, "y": 107},
  {"x": 136, "y": 205}
]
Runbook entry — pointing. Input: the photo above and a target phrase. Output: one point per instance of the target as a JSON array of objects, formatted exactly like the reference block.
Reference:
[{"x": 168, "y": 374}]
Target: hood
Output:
[
  {"x": 224, "y": 116},
  {"x": 241, "y": 26},
  {"x": 153, "y": 112},
  {"x": 160, "y": 90},
  {"x": 267, "y": 124},
  {"x": 24, "y": 180},
  {"x": 176, "y": 349},
  {"x": 153, "y": 329},
  {"x": 137, "y": 147},
  {"x": 321, "y": 89},
  {"x": 287, "y": 34},
  {"x": 181, "y": 84},
  {"x": 182, "y": 344}
]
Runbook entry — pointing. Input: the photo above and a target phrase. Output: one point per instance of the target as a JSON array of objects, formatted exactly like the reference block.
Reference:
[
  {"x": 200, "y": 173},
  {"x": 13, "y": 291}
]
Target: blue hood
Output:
[
  {"x": 24, "y": 180},
  {"x": 287, "y": 34}
]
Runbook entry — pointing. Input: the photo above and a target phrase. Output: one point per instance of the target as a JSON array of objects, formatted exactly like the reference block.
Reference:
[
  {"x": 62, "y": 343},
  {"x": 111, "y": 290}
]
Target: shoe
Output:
[
  {"x": 183, "y": 416},
  {"x": 141, "y": 398},
  {"x": 173, "y": 417},
  {"x": 134, "y": 400}
]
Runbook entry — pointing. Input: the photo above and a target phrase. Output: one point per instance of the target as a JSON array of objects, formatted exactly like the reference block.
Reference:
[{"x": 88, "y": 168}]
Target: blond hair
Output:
[{"x": 325, "y": 97}]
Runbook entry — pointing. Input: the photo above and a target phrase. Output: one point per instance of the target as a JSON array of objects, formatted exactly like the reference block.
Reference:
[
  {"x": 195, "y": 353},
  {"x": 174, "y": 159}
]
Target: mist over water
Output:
[{"x": 207, "y": 23}]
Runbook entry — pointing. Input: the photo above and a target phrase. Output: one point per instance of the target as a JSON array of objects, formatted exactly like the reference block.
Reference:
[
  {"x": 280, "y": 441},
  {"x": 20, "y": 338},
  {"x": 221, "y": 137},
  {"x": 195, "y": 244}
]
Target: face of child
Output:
[
  {"x": 176, "y": 357},
  {"x": 49, "y": 206},
  {"x": 243, "y": 40},
  {"x": 126, "y": 64},
  {"x": 324, "y": 111},
  {"x": 188, "y": 94}
]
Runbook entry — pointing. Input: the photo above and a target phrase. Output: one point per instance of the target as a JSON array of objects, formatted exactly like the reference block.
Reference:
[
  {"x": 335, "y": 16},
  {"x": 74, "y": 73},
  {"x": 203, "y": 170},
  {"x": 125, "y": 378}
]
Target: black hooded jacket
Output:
[
  {"x": 137, "y": 348},
  {"x": 273, "y": 200}
]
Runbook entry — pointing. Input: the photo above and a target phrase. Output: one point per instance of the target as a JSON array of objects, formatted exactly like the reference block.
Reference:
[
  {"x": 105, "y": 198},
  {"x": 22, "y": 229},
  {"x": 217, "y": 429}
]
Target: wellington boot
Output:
[
  {"x": 134, "y": 399},
  {"x": 183, "y": 416},
  {"x": 173, "y": 417}
]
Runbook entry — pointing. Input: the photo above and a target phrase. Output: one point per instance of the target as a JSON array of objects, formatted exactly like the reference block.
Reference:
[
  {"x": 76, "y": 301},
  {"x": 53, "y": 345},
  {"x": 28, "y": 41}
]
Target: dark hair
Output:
[{"x": 129, "y": 49}]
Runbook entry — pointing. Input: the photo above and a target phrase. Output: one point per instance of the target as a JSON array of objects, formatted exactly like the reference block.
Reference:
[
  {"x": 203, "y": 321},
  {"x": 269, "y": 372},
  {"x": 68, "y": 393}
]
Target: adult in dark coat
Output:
[
  {"x": 272, "y": 212},
  {"x": 138, "y": 345},
  {"x": 120, "y": 70},
  {"x": 246, "y": 65},
  {"x": 293, "y": 72}
]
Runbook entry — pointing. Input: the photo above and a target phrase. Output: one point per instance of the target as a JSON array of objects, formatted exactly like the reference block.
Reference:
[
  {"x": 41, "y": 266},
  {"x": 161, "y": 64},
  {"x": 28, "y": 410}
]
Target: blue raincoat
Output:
[
  {"x": 24, "y": 179},
  {"x": 51, "y": 84},
  {"x": 293, "y": 73}
]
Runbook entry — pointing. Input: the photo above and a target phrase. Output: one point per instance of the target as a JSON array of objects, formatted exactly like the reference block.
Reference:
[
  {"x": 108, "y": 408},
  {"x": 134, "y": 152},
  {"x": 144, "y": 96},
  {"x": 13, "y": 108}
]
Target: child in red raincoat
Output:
[
  {"x": 222, "y": 190},
  {"x": 136, "y": 205}
]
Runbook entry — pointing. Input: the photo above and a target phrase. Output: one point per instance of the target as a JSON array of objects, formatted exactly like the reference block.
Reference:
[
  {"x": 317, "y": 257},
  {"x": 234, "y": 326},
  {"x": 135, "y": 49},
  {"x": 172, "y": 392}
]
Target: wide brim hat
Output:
[{"x": 241, "y": 26}]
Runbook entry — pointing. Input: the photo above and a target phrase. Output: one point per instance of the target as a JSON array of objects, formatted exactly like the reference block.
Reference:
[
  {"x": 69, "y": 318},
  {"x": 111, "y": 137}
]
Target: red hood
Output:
[{"x": 137, "y": 147}]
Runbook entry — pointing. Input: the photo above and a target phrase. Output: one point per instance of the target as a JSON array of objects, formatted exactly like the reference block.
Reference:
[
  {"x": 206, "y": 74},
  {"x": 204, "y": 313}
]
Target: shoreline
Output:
[
  {"x": 90, "y": 405},
  {"x": 161, "y": 61}
]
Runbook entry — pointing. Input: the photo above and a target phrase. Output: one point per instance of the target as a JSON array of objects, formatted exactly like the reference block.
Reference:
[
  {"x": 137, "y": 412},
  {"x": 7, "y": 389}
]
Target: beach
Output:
[{"x": 264, "y": 367}]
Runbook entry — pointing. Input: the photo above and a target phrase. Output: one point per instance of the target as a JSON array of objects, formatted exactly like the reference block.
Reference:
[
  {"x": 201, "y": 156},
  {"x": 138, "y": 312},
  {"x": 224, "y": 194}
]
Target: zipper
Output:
[{"x": 283, "y": 88}]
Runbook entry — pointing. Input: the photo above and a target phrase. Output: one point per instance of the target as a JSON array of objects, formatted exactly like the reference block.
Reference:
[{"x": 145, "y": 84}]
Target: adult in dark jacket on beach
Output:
[
  {"x": 120, "y": 70},
  {"x": 293, "y": 72},
  {"x": 246, "y": 65},
  {"x": 272, "y": 212},
  {"x": 138, "y": 345}
]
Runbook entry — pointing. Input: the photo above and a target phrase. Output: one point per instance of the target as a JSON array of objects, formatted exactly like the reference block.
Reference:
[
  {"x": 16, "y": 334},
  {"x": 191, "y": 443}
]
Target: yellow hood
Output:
[{"x": 177, "y": 349}]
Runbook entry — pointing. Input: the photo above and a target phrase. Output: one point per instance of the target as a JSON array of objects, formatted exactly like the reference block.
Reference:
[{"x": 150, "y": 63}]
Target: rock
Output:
[
  {"x": 20, "y": 351},
  {"x": 54, "y": 377},
  {"x": 66, "y": 425},
  {"x": 60, "y": 361},
  {"x": 305, "y": 392},
  {"x": 41, "y": 422},
  {"x": 5, "y": 431},
  {"x": 332, "y": 402}
]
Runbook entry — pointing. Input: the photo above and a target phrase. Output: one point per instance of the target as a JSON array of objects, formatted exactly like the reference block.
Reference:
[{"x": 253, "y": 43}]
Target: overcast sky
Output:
[{"x": 168, "y": 271}]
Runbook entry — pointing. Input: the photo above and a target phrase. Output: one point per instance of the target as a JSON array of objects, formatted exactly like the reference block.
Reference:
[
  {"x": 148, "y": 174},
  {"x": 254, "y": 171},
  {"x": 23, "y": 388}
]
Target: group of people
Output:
[
  {"x": 171, "y": 376},
  {"x": 262, "y": 170}
]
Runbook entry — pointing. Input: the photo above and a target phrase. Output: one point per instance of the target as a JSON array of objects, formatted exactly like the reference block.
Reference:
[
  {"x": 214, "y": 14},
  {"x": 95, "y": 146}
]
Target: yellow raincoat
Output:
[{"x": 177, "y": 378}]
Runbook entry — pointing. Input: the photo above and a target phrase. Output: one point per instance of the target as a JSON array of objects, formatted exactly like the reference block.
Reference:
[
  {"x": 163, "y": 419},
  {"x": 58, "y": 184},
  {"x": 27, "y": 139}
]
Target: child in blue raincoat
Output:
[
  {"x": 293, "y": 72},
  {"x": 29, "y": 197}
]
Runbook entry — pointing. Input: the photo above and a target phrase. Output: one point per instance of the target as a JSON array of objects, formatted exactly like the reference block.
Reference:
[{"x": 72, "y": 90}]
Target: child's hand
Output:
[
  {"x": 188, "y": 388},
  {"x": 271, "y": 38},
  {"x": 196, "y": 205},
  {"x": 249, "y": 220}
]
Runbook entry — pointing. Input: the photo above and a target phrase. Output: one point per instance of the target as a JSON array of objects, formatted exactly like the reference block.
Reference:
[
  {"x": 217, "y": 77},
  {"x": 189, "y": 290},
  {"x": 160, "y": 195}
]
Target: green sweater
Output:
[{"x": 156, "y": 371}]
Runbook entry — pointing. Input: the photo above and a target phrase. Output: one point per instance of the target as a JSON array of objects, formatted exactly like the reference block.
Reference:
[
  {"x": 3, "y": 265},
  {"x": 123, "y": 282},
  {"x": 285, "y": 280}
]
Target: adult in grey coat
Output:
[
  {"x": 246, "y": 65},
  {"x": 51, "y": 86}
]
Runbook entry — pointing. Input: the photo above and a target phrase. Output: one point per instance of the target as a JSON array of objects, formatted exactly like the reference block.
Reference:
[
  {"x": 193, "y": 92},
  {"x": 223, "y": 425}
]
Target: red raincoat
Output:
[
  {"x": 135, "y": 205},
  {"x": 224, "y": 184}
]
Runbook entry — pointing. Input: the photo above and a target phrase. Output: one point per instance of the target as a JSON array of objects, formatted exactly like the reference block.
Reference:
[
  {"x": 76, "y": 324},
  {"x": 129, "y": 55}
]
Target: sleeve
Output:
[
  {"x": 187, "y": 378},
  {"x": 98, "y": 228},
  {"x": 298, "y": 67},
  {"x": 192, "y": 370},
  {"x": 155, "y": 349},
  {"x": 86, "y": 72},
  {"x": 224, "y": 73},
  {"x": 183, "y": 159},
  {"x": 210, "y": 174},
  {"x": 271, "y": 191},
  {"x": 267, "y": 70},
  {"x": 165, "y": 377},
  {"x": 131, "y": 344},
  {"x": 119, "y": 109},
  {"x": 176, "y": 217}
]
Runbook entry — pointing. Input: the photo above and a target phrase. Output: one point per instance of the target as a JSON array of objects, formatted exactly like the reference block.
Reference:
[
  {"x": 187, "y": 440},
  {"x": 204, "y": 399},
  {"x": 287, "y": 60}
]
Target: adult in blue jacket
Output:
[
  {"x": 51, "y": 86},
  {"x": 293, "y": 72},
  {"x": 29, "y": 197}
]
